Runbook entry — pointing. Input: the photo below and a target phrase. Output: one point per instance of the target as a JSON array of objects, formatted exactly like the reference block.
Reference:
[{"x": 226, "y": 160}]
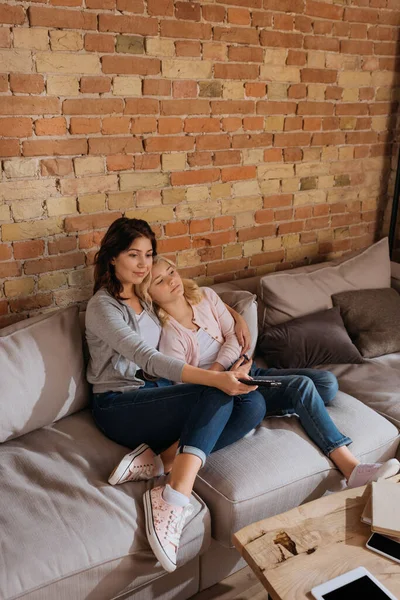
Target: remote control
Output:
[{"x": 262, "y": 381}]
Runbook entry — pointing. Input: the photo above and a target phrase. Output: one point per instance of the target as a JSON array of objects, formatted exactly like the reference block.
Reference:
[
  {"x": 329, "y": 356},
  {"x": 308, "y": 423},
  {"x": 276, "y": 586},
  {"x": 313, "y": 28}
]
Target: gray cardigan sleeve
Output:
[{"x": 105, "y": 320}]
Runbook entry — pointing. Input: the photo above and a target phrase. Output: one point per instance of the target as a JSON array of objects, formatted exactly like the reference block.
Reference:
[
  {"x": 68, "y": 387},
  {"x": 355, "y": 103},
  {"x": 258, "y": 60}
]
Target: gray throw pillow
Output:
[
  {"x": 315, "y": 339},
  {"x": 372, "y": 318}
]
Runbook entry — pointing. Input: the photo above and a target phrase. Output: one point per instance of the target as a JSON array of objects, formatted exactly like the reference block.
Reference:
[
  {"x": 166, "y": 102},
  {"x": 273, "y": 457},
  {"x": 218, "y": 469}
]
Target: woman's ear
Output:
[{"x": 112, "y": 261}]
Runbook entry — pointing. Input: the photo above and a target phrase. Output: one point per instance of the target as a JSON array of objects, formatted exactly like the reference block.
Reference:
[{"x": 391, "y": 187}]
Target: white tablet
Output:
[{"x": 352, "y": 585}]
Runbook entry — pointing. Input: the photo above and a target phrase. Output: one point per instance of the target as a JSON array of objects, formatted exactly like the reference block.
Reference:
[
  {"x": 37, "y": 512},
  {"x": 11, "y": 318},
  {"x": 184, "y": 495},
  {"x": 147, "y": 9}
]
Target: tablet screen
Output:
[{"x": 363, "y": 587}]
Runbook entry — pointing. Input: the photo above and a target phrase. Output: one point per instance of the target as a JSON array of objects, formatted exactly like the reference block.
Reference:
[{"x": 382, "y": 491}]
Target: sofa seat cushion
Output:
[
  {"x": 376, "y": 383},
  {"x": 278, "y": 467},
  {"x": 62, "y": 522}
]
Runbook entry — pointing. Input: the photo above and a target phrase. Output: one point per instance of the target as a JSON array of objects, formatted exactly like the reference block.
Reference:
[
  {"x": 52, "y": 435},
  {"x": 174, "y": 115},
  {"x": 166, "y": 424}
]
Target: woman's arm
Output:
[
  {"x": 241, "y": 329},
  {"x": 105, "y": 320},
  {"x": 230, "y": 349},
  {"x": 227, "y": 381}
]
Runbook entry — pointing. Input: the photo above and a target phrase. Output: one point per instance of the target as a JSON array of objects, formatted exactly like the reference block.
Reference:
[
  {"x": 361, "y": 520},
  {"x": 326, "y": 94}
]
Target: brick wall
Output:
[{"x": 253, "y": 134}]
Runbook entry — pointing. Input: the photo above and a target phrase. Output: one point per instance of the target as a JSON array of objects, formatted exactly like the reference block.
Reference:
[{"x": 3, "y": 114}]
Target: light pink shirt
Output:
[{"x": 211, "y": 315}]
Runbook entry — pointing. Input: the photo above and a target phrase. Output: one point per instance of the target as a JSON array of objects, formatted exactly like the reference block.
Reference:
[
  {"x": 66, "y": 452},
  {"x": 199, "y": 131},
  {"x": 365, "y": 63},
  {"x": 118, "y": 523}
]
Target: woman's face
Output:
[
  {"x": 132, "y": 265},
  {"x": 166, "y": 284}
]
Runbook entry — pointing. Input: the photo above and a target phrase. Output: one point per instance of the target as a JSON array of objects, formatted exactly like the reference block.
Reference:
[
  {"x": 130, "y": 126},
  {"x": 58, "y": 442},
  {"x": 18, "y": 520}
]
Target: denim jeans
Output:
[
  {"x": 305, "y": 392},
  {"x": 203, "y": 419}
]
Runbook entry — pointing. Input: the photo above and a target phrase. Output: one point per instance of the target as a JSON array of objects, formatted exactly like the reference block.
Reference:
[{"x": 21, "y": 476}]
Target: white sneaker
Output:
[
  {"x": 367, "y": 472},
  {"x": 138, "y": 465},
  {"x": 164, "y": 524}
]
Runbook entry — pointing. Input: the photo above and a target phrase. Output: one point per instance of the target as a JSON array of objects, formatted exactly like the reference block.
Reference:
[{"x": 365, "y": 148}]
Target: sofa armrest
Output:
[{"x": 395, "y": 275}]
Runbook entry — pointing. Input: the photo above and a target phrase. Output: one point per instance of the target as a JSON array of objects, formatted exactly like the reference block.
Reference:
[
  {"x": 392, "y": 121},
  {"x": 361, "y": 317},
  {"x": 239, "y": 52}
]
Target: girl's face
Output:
[
  {"x": 132, "y": 265},
  {"x": 166, "y": 284}
]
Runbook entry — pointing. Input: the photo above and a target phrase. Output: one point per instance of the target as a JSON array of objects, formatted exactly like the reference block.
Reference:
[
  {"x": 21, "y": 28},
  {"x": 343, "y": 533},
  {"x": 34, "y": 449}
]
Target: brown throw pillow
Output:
[
  {"x": 372, "y": 318},
  {"x": 315, "y": 339}
]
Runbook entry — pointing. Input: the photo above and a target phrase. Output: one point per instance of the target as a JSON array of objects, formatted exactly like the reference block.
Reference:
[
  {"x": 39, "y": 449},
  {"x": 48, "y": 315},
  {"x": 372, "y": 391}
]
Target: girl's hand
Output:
[
  {"x": 229, "y": 383},
  {"x": 242, "y": 365},
  {"x": 242, "y": 333}
]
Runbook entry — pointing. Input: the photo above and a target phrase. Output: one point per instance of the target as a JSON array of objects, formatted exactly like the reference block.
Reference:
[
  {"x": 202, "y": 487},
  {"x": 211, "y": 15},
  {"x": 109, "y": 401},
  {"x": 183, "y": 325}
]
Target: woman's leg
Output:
[
  {"x": 160, "y": 416},
  {"x": 195, "y": 415}
]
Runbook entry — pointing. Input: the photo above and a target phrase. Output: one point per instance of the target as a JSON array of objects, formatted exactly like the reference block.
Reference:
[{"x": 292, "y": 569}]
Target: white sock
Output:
[
  {"x": 174, "y": 497},
  {"x": 159, "y": 470}
]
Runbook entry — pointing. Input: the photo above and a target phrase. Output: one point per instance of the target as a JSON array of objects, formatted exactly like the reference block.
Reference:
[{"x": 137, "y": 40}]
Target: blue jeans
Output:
[
  {"x": 305, "y": 392},
  {"x": 203, "y": 419}
]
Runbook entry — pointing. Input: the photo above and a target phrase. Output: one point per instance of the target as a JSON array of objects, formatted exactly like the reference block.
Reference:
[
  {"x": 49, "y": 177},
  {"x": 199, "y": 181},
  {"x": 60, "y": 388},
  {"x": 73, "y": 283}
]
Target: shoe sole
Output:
[
  {"x": 121, "y": 469},
  {"x": 391, "y": 469},
  {"x": 151, "y": 534}
]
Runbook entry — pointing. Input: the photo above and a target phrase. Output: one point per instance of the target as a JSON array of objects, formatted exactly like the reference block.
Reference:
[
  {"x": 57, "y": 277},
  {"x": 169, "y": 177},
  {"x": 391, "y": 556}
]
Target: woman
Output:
[
  {"x": 134, "y": 400},
  {"x": 197, "y": 328}
]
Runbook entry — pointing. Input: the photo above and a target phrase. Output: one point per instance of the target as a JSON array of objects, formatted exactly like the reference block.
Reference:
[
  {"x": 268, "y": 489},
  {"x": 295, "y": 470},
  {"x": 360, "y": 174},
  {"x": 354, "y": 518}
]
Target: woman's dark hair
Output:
[{"x": 118, "y": 238}]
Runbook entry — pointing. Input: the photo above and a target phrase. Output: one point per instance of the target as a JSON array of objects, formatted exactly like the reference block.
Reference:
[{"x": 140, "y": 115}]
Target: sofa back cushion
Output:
[
  {"x": 42, "y": 372},
  {"x": 291, "y": 294}
]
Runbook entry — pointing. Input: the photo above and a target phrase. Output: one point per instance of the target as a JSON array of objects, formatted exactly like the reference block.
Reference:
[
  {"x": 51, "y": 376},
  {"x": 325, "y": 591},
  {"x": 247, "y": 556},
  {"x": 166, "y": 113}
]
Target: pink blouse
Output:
[{"x": 211, "y": 315}]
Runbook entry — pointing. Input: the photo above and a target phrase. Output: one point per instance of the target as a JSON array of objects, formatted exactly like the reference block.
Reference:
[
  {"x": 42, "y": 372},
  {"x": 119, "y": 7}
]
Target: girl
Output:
[
  {"x": 197, "y": 328},
  {"x": 134, "y": 400}
]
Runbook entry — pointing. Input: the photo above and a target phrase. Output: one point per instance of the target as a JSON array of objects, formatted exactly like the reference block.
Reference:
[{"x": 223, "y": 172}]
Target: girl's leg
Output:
[
  {"x": 325, "y": 381},
  {"x": 184, "y": 472},
  {"x": 299, "y": 395},
  {"x": 170, "y": 505},
  {"x": 166, "y": 508},
  {"x": 248, "y": 412}
]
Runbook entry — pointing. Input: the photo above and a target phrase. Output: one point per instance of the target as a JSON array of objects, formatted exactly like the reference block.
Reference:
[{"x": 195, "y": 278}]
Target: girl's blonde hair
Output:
[{"x": 191, "y": 291}]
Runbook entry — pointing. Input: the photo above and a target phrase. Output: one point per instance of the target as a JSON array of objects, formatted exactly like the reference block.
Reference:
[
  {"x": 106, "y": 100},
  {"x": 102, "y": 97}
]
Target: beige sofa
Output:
[{"x": 68, "y": 535}]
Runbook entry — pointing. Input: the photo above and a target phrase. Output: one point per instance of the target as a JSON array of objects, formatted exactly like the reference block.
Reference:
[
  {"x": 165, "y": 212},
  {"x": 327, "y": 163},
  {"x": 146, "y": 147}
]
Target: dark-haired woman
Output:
[{"x": 135, "y": 401}]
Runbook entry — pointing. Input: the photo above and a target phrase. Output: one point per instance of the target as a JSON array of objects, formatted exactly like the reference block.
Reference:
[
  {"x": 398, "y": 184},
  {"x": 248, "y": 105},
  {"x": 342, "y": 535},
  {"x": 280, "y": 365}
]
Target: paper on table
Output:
[{"x": 386, "y": 508}]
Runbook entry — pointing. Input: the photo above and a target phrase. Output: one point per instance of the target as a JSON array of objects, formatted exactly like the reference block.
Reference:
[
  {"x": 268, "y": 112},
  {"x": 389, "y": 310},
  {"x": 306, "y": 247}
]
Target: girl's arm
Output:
[{"x": 241, "y": 329}]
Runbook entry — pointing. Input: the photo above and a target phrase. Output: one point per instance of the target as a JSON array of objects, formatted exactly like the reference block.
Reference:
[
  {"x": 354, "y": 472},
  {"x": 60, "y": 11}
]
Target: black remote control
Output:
[{"x": 262, "y": 381}]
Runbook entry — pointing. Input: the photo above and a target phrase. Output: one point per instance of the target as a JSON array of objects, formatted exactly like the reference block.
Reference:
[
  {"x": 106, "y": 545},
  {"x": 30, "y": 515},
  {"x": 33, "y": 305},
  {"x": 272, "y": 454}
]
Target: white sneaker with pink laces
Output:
[
  {"x": 366, "y": 472},
  {"x": 138, "y": 465},
  {"x": 164, "y": 524}
]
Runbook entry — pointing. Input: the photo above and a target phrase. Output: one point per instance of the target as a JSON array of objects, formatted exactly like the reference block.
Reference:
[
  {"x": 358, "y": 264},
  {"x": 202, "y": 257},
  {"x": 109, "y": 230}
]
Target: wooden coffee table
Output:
[{"x": 293, "y": 552}]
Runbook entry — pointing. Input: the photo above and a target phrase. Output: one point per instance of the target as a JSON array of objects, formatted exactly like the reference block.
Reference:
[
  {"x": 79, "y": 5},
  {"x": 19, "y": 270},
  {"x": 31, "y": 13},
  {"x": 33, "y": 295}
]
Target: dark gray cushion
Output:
[
  {"x": 315, "y": 339},
  {"x": 372, "y": 318}
]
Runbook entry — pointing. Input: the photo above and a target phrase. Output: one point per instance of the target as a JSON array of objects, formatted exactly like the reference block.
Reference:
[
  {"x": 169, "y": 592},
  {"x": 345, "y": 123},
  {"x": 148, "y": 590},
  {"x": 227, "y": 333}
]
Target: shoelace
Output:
[
  {"x": 147, "y": 470},
  {"x": 176, "y": 523}
]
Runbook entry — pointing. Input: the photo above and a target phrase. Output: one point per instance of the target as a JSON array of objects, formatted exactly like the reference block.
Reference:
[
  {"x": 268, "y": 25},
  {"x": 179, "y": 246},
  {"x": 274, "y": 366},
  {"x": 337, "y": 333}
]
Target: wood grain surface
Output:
[{"x": 297, "y": 550}]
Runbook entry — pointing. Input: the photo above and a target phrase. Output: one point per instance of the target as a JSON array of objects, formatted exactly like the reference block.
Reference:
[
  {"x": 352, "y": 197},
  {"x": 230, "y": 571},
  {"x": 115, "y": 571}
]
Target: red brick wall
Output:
[{"x": 253, "y": 134}]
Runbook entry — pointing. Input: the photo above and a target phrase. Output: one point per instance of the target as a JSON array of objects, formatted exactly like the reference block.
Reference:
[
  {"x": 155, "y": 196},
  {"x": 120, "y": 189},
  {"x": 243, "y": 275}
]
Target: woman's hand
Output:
[
  {"x": 242, "y": 365},
  {"x": 229, "y": 383},
  {"x": 242, "y": 333}
]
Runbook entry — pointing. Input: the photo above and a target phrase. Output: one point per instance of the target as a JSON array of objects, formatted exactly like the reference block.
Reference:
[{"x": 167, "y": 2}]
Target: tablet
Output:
[{"x": 352, "y": 585}]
